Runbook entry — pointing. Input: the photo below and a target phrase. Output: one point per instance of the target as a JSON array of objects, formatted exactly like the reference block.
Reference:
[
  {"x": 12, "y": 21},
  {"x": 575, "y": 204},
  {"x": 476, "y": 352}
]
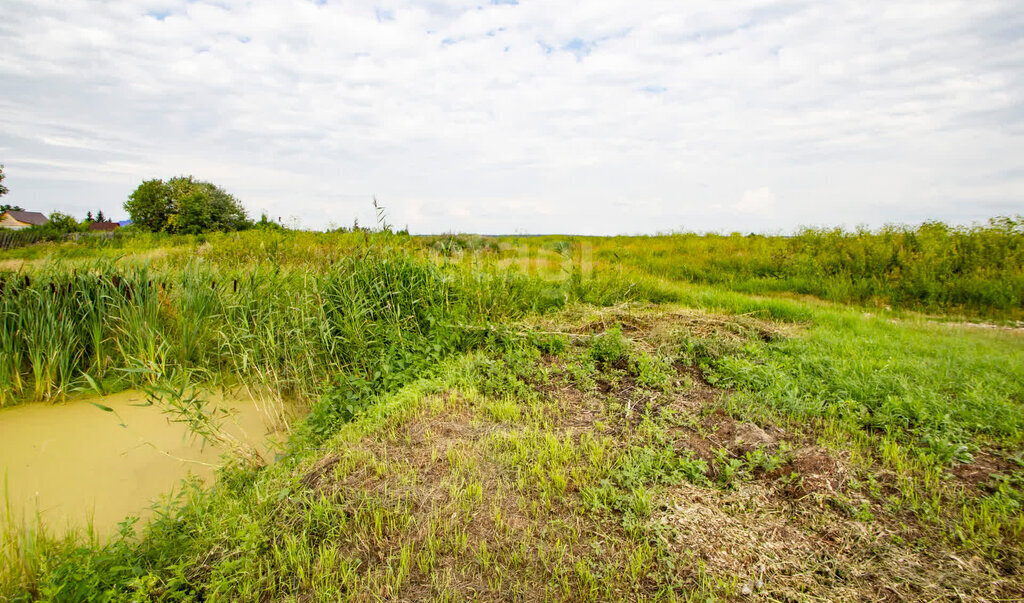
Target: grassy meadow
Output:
[{"x": 829, "y": 416}]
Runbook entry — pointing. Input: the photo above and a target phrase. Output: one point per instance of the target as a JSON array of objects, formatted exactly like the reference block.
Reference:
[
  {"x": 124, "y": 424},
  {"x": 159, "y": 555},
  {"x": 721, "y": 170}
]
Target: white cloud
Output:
[
  {"x": 543, "y": 116},
  {"x": 760, "y": 202}
]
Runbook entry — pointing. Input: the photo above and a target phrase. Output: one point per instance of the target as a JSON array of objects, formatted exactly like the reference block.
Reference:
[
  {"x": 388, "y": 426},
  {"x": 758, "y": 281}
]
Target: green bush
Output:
[{"x": 58, "y": 226}]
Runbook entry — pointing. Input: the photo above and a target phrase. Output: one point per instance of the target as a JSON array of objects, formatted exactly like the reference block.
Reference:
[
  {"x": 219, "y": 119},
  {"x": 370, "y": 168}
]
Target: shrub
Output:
[{"x": 57, "y": 227}]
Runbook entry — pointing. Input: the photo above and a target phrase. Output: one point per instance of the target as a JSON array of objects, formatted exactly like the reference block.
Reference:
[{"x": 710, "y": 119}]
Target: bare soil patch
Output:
[{"x": 979, "y": 471}]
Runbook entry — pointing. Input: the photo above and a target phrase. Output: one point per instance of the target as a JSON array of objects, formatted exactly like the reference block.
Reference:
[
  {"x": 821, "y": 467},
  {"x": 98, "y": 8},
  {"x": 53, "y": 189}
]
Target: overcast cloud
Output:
[{"x": 593, "y": 117}]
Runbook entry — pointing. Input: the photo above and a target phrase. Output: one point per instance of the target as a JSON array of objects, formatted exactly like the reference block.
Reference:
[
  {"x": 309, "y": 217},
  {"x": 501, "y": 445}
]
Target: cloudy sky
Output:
[{"x": 596, "y": 117}]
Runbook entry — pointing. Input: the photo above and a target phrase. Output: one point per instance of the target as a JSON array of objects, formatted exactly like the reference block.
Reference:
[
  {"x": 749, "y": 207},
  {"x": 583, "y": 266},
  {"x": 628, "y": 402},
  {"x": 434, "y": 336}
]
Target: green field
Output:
[{"x": 828, "y": 416}]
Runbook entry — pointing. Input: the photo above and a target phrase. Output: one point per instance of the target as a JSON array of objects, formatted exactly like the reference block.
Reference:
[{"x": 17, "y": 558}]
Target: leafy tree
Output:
[
  {"x": 58, "y": 226},
  {"x": 3, "y": 189},
  {"x": 150, "y": 205},
  {"x": 61, "y": 223},
  {"x": 5, "y": 207},
  {"x": 194, "y": 215},
  {"x": 184, "y": 205}
]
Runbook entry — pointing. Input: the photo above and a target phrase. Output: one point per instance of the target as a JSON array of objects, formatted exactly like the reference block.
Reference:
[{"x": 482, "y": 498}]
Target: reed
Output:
[{"x": 292, "y": 328}]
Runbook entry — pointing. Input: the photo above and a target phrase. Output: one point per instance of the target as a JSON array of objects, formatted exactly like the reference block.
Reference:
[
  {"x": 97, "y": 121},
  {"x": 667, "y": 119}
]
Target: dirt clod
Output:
[{"x": 747, "y": 437}]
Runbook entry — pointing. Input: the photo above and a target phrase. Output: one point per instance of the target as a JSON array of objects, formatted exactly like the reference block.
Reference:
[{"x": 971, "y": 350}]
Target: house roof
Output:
[
  {"x": 104, "y": 226},
  {"x": 28, "y": 217}
]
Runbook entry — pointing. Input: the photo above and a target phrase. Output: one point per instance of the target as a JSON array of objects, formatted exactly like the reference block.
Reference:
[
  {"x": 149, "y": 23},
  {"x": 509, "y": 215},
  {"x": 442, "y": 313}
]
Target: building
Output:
[
  {"x": 16, "y": 220},
  {"x": 103, "y": 226}
]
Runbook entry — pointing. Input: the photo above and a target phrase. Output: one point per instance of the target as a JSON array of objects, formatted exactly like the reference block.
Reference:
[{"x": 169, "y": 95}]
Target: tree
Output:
[
  {"x": 184, "y": 205},
  {"x": 3, "y": 189},
  {"x": 88, "y": 217},
  {"x": 58, "y": 225},
  {"x": 5, "y": 207},
  {"x": 99, "y": 216},
  {"x": 150, "y": 205},
  {"x": 61, "y": 223}
]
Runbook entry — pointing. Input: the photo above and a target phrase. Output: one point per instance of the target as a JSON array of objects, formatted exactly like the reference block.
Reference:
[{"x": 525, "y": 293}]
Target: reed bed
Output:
[{"x": 296, "y": 329}]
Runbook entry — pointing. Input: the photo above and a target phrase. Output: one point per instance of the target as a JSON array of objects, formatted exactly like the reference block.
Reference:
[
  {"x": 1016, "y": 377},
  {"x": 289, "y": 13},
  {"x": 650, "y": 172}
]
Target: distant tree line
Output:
[{"x": 180, "y": 205}]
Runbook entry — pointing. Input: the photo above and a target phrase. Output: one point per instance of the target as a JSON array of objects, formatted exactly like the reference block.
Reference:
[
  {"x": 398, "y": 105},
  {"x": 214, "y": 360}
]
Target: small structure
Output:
[
  {"x": 16, "y": 220},
  {"x": 103, "y": 226}
]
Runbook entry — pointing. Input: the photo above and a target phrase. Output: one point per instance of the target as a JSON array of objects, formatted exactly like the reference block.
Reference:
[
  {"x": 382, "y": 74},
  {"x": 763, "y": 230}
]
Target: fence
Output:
[{"x": 9, "y": 239}]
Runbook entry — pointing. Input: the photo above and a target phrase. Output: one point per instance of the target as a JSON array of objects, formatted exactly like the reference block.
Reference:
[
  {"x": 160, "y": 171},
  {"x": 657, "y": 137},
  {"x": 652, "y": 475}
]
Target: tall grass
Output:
[
  {"x": 56, "y": 325},
  {"x": 977, "y": 270},
  {"x": 933, "y": 266},
  {"x": 346, "y": 321},
  {"x": 364, "y": 316}
]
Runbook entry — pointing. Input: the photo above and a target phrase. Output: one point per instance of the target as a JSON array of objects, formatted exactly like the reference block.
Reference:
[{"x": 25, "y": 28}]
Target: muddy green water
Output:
[{"x": 72, "y": 463}]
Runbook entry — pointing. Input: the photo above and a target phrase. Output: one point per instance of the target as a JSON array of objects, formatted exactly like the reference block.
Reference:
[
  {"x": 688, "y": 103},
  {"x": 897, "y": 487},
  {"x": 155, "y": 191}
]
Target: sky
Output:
[{"x": 553, "y": 116}]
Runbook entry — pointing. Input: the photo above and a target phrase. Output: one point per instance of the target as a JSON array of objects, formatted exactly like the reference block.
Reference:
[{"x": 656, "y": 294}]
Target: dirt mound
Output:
[{"x": 819, "y": 471}]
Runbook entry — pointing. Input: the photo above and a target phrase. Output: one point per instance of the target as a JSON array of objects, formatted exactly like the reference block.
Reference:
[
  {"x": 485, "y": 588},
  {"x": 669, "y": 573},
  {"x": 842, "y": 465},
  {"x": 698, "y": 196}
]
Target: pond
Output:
[{"x": 73, "y": 463}]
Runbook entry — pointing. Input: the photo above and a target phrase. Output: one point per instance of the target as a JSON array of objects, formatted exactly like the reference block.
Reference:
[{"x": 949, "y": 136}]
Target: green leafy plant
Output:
[
  {"x": 653, "y": 372},
  {"x": 610, "y": 347}
]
